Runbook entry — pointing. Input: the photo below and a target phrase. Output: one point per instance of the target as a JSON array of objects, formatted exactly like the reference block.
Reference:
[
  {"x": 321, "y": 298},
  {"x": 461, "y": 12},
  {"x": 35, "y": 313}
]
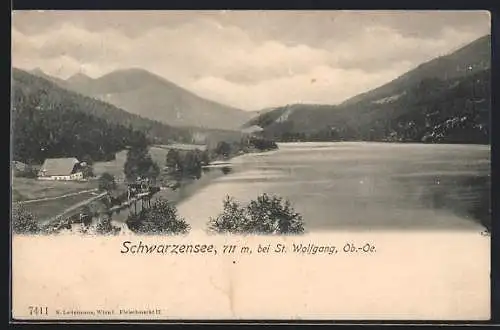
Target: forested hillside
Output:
[
  {"x": 446, "y": 100},
  {"x": 43, "y": 129},
  {"x": 470, "y": 59},
  {"x": 51, "y": 95},
  {"x": 48, "y": 121}
]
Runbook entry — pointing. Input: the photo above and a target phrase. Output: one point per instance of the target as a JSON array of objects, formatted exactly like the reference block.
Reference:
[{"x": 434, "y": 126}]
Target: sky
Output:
[{"x": 247, "y": 59}]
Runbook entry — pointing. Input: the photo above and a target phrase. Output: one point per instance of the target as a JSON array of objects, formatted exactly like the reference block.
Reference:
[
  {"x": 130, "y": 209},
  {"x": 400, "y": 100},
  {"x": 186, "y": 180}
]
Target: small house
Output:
[{"x": 65, "y": 169}]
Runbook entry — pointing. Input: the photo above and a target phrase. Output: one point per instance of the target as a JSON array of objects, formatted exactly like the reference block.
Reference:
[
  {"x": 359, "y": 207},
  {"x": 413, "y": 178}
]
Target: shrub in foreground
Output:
[
  {"x": 160, "y": 218},
  {"x": 105, "y": 227},
  {"x": 23, "y": 221},
  {"x": 265, "y": 215}
]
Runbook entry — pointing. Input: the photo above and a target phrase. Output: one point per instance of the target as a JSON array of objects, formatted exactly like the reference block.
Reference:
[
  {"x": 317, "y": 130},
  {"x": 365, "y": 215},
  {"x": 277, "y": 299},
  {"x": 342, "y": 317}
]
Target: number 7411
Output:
[{"x": 38, "y": 310}]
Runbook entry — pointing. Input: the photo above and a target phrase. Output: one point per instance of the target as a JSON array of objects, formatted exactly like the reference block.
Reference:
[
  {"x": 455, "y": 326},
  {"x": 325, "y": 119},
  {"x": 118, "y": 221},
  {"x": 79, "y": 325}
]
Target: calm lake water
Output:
[{"x": 359, "y": 186}]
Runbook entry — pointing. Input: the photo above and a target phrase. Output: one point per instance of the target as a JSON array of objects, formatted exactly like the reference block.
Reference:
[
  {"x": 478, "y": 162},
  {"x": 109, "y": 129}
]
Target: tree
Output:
[
  {"x": 88, "y": 172},
  {"x": 140, "y": 164},
  {"x": 265, "y": 215},
  {"x": 205, "y": 158},
  {"x": 23, "y": 221},
  {"x": 192, "y": 164},
  {"x": 187, "y": 164},
  {"x": 87, "y": 159},
  {"x": 172, "y": 159},
  {"x": 161, "y": 218},
  {"x": 273, "y": 215},
  {"x": 107, "y": 182},
  {"x": 223, "y": 149},
  {"x": 229, "y": 221}
]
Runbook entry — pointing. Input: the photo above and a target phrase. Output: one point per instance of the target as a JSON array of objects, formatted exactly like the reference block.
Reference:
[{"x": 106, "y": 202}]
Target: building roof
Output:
[{"x": 58, "y": 166}]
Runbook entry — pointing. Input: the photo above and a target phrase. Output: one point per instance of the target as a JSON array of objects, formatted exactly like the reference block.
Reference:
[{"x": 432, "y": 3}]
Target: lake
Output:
[{"x": 359, "y": 186}]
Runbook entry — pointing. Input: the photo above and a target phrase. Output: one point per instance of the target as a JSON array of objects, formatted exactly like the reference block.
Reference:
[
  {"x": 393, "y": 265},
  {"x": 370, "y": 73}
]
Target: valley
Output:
[{"x": 100, "y": 121}]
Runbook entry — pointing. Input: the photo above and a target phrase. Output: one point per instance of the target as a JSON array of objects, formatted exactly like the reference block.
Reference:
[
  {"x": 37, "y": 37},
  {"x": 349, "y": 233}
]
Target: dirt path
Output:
[
  {"x": 76, "y": 206},
  {"x": 58, "y": 197}
]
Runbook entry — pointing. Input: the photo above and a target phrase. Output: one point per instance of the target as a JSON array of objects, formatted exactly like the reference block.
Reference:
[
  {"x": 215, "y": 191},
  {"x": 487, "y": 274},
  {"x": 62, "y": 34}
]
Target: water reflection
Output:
[
  {"x": 362, "y": 186},
  {"x": 226, "y": 169}
]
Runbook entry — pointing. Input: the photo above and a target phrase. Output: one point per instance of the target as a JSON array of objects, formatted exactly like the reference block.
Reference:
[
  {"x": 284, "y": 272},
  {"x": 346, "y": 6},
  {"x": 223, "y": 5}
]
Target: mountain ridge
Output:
[
  {"x": 430, "y": 69},
  {"x": 144, "y": 93},
  {"x": 403, "y": 109},
  {"x": 53, "y": 95}
]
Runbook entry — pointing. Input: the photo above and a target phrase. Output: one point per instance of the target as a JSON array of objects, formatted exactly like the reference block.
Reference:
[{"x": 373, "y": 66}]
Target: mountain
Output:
[
  {"x": 49, "y": 122},
  {"x": 39, "y": 73},
  {"x": 34, "y": 92},
  {"x": 78, "y": 81},
  {"x": 38, "y": 101},
  {"x": 444, "y": 100},
  {"x": 143, "y": 93},
  {"x": 472, "y": 58}
]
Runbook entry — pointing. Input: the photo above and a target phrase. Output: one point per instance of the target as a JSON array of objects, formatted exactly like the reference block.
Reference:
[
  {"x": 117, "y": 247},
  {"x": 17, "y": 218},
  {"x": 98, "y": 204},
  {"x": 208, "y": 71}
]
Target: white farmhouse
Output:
[{"x": 64, "y": 169}]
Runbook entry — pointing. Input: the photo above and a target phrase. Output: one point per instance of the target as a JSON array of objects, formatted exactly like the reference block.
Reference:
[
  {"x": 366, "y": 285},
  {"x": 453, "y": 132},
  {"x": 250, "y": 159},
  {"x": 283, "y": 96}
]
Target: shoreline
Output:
[
  {"x": 385, "y": 142},
  {"x": 189, "y": 187},
  {"x": 210, "y": 174}
]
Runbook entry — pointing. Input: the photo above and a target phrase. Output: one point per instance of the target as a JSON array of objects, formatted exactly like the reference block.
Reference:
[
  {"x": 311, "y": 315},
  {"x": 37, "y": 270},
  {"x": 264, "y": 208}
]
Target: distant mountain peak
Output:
[
  {"x": 79, "y": 77},
  {"x": 41, "y": 74},
  {"x": 138, "y": 75},
  {"x": 134, "y": 70},
  {"x": 144, "y": 93}
]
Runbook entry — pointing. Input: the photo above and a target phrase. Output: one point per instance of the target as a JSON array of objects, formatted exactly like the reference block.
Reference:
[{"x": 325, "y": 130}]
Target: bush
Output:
[
  {"x": 266, "y": 215},
  {"x": 231, "y": 218},
  {"x": 272, "y": 214},
  {"x": 263, "y": 144},
  {"x": 23, "y": 221},
  {"x": 107, "y": 182},
  {"x": 161, "y": 218},
  {"x": 223, "y": 149},
  {"x": 186, "y": 164},
  {"x": 104, "y": 226},
  {"x": 88, "y": 172}
]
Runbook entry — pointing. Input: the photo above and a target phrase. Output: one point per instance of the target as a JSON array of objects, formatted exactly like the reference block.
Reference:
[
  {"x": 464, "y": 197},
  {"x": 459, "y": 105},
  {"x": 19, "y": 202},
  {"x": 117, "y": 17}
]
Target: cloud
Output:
[
  {"x": 250, "y": 60},
  {"x": 321, "y": 84},
  {"x": 382, "y": 47}
]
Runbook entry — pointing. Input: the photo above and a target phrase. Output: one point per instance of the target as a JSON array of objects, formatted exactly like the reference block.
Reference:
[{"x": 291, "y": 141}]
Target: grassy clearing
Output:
[
  {"x": 158, "y": 155},
  {"x": 114, "y": 167},
  {"x": 47, "y": 209},
  {"x": 27, "y": 189}
]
